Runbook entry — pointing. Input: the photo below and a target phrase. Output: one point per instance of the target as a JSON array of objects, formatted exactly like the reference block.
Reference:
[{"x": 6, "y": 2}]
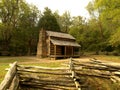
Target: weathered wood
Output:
[
  {"x": 77, "y": 85},
  {"x": 55, "y": 50},
  {"x": 15, "y": 83},
  {"x": 57, "y": 78},
  {"x": 115, "y": 79},
  {"x": 74, "y": 75},
  {"x": 41, "y": 72},
  {"x": 5, "y": 84},
  {"x": 105, "y": 64},
  {"x": 95, "y": 66},
  {"x": 28, "y": 76},
  {"x": 41, "y": 68},
  {"x": 93, "y": 75},
  {"x": 71, "y": 65},
  {"x": 49, "y": 46},
  {"x": 116, "y": 73},
  {"x": 47, "y": 78},
  {"x": 46, "y": 87},
  {"x": 40, "y": 83}
]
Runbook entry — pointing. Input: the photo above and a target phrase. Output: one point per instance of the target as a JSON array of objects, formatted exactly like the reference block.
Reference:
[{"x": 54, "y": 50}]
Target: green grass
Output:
[
  {"x": 30, "y": 61},
  {"x": 107, "y": 58},
  {"x": 2, "y": 71},
  {"x": 4, "y": 63},
  {"x": 13, "y": 59}
]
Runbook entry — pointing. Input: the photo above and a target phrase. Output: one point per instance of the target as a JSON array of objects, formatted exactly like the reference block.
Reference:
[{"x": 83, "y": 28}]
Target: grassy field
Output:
[
  {"x": 4, "y": 62},
  {"x": 32, "y": 61},
  {"x": 110, "y": 58}
]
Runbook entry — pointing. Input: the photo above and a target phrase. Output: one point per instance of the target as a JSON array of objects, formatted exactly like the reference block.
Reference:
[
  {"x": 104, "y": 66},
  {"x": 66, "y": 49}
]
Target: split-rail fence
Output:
[{"x": 21, "y": 77}]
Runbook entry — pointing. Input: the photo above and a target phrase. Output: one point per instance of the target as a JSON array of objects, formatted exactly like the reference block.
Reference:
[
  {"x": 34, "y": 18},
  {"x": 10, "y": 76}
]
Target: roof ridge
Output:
[
  {"x": 56, "y": 32},
  {"x": 60, "y": 34}
]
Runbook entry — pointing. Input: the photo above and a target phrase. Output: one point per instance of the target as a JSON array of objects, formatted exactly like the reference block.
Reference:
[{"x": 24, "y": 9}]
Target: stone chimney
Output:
[{"x": 41, "y": 48}]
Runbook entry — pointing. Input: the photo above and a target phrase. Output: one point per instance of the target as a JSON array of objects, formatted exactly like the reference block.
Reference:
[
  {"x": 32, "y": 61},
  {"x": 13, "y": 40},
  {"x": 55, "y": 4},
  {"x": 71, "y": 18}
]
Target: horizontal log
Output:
[
  {"x": 46, "y": 87},
  {"x": 57, "y": 80},
  {"x": 107, "y": 73},
  {"x": 111, "y": 65},
  {"x": 43, "y": 72},
  {"x": 45, "y": 77},
  {"x": 97, "y": 67},
  {"x": 97, "y": 64},
  {"x": 62, "y": 84},
  {"x": 67, "y": 80},
  {"x": 116, "y": 73},
  {"x": 15, "y": 83},
  {"x": 115, "y": 79},
  {"x": 41, "y": 68},
  {"x": 93, "y": 75}
]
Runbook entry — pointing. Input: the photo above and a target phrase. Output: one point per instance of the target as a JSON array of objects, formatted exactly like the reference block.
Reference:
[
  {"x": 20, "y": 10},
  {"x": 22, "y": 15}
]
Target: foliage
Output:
[
  {"x": 20, "y": 24},
  {"x": 87, "y": 34},
  {"x": 110, "y": 13},
  {"x": 65, "y": 21},
  {"x": 18, "y": 27},
  {"x": 107, "y": 15},
  {"x": 48, "y": 21},
  {"x": 115, "y": 41},
  {"x": 8, "y": 17}
]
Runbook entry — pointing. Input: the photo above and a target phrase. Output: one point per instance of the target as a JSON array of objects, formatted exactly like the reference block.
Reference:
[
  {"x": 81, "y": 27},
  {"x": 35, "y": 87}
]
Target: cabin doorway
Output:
[{"x": 62, "y": 50}]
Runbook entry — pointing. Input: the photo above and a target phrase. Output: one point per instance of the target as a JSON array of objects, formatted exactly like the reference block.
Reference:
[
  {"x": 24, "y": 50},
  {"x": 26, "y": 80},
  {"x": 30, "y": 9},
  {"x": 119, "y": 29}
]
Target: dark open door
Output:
[{"x": 62, "y": 50}]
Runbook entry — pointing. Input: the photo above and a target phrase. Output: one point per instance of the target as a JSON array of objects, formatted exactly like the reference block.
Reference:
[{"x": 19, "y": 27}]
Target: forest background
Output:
[{"x": 21, "y": 22}]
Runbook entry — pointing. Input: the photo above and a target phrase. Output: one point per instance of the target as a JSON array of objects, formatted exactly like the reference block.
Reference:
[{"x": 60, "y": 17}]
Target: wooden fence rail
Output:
[
  {"x": 45, "y": 78},
  {"x": 72, "y": 69},
  {"x": 20, "y": 77},
  {"x": 10, "y": 81},
  {"x": 98, "y": 68}
]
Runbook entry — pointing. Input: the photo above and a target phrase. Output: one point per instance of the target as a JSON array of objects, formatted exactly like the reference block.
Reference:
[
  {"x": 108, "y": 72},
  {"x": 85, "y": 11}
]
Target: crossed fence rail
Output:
[{"x": 21, "y": 77}]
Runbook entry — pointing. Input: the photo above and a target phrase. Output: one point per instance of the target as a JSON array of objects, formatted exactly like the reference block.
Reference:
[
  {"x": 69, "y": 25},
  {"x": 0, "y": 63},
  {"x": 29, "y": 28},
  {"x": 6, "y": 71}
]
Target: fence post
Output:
[
  {"x": 5, "y": 84},
  {"x": 72, "y": 69}
]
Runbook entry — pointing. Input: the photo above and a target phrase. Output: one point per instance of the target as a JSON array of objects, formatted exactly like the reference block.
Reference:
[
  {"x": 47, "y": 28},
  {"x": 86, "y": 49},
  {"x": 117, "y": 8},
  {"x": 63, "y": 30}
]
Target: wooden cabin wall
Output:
[
  {"x": 51, "y": 49},
  {"x": 48, "y": 45},
  {"x": 58, "y": 50},
  {"x": 68, "y": 50}
]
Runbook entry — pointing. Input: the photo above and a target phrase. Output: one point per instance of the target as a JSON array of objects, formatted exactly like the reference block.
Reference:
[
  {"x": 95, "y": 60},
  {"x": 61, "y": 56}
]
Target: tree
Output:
[
  {"x": 18, "y": 27},
  {"x": 110, "y": 13},
  {"x": 27, "y": 31},
  {"x": 65, "y": 22},
  {"x": 8, "y": 17},
  {"x": 115, "y": 38},
  {"x": 48, "y": 21},
  {"x": 78, "y": 29},
  {"x": 103, "y": 25}
]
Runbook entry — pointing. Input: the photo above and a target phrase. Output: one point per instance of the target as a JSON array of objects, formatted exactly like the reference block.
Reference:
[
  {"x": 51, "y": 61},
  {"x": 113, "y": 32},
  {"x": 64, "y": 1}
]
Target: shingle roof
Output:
[
  {"x": 60, "y": 35},
  {"x": 65, "y": 43}
]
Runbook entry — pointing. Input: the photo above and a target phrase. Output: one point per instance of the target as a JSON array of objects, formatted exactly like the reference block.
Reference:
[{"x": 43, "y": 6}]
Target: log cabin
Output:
[{"x": 57, "y": 45}]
